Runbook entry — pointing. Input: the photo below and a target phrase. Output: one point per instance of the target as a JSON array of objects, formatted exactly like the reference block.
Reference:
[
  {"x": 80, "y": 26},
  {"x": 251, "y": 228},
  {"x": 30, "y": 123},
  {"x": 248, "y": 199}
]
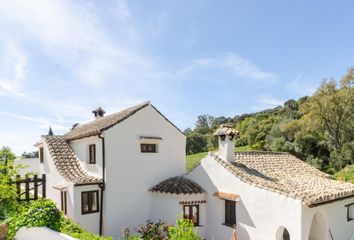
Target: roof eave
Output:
[{"x": 312, "y": 205}]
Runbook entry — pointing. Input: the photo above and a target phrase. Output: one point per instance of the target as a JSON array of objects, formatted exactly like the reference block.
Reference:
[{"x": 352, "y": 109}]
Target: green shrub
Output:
[
  {"x": 8, "y": 195},
  {"x": 44, "y": 213},
  {"x": 70, "y": 228},
  {"x": 40, "y": 213},
  {"x": 184, "y": 230}
]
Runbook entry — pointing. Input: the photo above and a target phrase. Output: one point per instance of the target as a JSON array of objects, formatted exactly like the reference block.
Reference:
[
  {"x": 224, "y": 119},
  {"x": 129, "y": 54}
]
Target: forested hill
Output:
[{"x": 319, "y": 129}]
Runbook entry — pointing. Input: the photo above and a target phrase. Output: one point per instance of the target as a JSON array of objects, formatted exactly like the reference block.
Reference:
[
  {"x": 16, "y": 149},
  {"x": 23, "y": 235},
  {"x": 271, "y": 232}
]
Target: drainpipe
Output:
[{"x": 103, "y": 185}]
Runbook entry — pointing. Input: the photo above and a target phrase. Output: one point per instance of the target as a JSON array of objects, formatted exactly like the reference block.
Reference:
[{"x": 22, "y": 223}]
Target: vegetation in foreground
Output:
[
  {"x": 39, "y": 213},
  {"x": 44, "y": 213},
  {"x": 183, "y": 230},
  {"x": 317, "y": 129}
]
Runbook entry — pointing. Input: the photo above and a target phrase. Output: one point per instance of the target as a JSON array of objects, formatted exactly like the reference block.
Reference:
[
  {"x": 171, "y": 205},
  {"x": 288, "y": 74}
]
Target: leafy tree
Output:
[
  {"x": 332, "y": 111},
  {"x": 6, "y": 155},
  {"x": 8, "y": 195},
  {"x": 196, "y": 143},
  {"x": 291, "y": 105},
  {"x": 202, "y": 124},
  {"x": 33, "y": 154}
]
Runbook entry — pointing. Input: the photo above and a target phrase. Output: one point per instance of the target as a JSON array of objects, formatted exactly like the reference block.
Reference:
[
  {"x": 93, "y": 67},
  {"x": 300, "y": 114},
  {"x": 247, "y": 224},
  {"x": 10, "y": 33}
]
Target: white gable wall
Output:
[
  {"x": 259, "y": 213},
  {"x": 130, "y": 173},
  {"x": 81, "y": 149}
]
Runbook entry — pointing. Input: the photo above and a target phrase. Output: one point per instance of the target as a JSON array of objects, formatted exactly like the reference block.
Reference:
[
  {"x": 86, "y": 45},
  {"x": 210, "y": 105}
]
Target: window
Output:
[
  {"x": 350, "y": 211},
  {"x": 63, "y": 201},
  {"x": 92, "y": 154},
  {"x": 191, "y": 212},
  {"x": 283, "y": 234},
  {"x": 230, "y": 213},
  {"x": 286, "y": 235},
  {"x": 89, "y": 202},
  {"x": 41, "y": 155},
  {"x": 148, "y": 148}
]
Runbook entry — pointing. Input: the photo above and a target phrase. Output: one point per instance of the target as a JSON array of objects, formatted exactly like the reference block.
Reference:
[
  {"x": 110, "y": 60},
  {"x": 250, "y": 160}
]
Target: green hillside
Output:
[
  {"x": 193, "y": 160},
  {"x": 317, "y": 129},
  {"x": 346, "y": 174}
]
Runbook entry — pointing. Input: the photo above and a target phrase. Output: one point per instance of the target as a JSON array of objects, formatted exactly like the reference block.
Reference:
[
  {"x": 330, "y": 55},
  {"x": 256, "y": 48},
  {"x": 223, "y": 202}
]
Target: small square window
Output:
[
  {"x": 350, "y": 212},
  {"x": 89, "y": 202},
  {"x": 148, "y": 148},
  {"x": 191, "y": 212},
  {"x": 92, "y": 154}
]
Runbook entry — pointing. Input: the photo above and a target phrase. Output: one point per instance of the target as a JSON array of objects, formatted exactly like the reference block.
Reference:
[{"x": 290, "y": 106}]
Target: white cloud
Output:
[
  {"x": 13, "y": 62},
  {"x": 270, "y": 101},
  {"x": 239, "y": 67},
  {"x": 300, "y": 86},
  {"x": 74, "y": 35},
  {"x": 41, "y": 121}
]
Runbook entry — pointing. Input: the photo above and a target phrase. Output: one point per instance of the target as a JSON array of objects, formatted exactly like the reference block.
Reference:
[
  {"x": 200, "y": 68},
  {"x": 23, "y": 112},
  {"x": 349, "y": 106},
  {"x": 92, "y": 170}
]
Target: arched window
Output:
[
  {"x": 282, "y": 234},
  {"x": 286, "y": 235}
]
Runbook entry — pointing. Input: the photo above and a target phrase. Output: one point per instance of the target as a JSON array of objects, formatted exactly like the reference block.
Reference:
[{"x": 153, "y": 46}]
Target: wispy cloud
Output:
[
  {"x": 13, "y": 62},
  {"x": 236, "y": 64},
  {"x": 41, "y": 121},
  {"x": 74, "y": 36},
  {"x": 266, "y": 101},
  {"x": 300, "y": 86}
]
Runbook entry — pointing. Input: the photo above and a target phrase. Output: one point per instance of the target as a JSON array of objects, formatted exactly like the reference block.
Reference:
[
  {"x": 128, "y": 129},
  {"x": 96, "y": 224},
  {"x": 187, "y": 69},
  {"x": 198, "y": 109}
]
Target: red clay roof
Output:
[{"x": 227, "y": 196}]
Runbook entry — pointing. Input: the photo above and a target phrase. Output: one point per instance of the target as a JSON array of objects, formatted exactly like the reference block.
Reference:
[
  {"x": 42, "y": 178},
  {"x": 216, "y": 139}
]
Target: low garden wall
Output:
[{"x": 40, "y": 233}]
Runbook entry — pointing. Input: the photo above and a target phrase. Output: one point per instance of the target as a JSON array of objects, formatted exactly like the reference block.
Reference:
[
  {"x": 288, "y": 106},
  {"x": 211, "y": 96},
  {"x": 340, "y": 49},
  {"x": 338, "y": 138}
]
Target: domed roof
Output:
[{"x": 178, "y": 185}]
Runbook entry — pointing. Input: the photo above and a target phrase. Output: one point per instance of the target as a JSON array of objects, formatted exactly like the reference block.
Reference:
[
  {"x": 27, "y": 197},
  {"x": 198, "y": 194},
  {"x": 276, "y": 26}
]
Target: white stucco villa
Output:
[{"x": 128, "y": 167}]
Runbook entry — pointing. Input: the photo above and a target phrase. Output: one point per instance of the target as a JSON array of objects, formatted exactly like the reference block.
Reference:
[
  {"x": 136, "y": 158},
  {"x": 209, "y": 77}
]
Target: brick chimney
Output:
[
  {"x": 99, "y": 112},
  {"x": 226, "y": 136}
]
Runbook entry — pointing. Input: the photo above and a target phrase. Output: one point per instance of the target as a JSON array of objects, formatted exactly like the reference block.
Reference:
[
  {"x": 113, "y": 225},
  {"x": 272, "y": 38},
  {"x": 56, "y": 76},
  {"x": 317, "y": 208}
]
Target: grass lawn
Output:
[
  {"x": 193, "y": 159},
  {"x": 346, "y": 174}
]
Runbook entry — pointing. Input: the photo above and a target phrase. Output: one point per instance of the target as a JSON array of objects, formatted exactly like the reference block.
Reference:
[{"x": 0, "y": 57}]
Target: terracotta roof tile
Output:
[
  {"x": 67, "y": 163},
  {"x": 178, "y": 185},
  {"x": 287, "y": 175},
  {"x": 227, "y": 196},
  {"x": 97, "y": 126},
  {"x": 226, "y": 129}
]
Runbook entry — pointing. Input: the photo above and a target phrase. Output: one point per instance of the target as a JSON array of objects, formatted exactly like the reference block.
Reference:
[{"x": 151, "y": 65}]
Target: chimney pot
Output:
[
  {"x": 99, "y": 112},
  {"x": 226, "y": 134}
]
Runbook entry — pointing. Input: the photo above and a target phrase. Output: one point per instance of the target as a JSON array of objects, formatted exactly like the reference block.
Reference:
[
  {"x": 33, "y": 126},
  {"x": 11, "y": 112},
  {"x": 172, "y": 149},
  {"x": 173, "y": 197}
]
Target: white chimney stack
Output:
[{"x": 226, "y": 136}]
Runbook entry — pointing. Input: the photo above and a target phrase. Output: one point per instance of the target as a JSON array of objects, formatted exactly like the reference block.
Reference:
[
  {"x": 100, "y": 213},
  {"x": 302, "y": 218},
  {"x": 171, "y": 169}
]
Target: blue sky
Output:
[{"x": 61, "y": 59}]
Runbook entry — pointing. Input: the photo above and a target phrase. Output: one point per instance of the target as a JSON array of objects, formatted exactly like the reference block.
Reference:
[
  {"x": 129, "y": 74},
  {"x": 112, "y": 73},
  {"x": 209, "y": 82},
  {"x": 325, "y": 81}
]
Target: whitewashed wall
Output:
[
  {"x": 54, "y": 179},
  {"x": 335, "y": 216},
  {"x": 130, "y": 173},
  {"x": 88, "y": 221},
  {"x": 40, "y": 233},
  {"x": 28, "y": 165},
  {"x": 259, "y": 213},
  {"x": 81, "y": 149},
  {"x": 167, "y": 207}
]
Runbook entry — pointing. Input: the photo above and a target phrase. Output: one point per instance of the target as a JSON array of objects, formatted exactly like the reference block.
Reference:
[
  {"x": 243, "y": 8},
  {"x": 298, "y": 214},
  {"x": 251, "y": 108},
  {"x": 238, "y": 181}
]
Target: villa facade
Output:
[{"x": 125, "y": 168}]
